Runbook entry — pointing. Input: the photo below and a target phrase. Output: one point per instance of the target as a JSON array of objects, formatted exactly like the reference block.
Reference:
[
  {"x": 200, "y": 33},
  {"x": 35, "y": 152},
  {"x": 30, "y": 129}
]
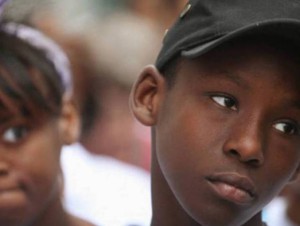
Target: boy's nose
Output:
[{"x": 246, "y": 143}]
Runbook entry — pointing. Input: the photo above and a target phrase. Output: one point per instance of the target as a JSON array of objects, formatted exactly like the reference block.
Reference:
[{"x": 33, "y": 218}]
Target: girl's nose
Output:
[{"x": 3, "y": 168}]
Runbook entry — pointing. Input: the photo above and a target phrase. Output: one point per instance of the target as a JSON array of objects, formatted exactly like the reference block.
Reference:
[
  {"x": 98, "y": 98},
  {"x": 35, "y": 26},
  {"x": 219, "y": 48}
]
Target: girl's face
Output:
[{"x": 30, "y": 176}]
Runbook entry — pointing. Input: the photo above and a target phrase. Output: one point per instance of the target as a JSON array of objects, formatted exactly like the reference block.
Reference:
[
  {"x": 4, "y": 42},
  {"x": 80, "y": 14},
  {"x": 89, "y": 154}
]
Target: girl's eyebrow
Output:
[
  {"x": 4, "y": 119},
  {"x": 6, "y": 114}
]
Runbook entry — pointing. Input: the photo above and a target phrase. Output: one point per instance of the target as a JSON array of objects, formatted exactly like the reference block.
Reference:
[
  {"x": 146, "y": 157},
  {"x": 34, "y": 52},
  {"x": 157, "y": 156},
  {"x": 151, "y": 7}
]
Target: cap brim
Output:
[{"x": 281, "y": 27}]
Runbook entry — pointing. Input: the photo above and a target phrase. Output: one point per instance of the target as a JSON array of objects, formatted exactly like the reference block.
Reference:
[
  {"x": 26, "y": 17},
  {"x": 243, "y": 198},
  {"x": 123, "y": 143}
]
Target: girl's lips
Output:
[
  {"x": 7, "y": 185},
  {"x": 233, "y": 187}
]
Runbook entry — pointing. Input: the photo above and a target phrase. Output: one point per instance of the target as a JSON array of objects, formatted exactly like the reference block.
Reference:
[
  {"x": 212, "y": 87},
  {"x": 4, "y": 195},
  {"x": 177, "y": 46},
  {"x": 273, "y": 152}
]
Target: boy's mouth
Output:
[{"x": 233, "y": 187}]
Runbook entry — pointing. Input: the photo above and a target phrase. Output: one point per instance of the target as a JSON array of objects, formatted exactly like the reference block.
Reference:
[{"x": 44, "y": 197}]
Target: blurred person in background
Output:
[{"x": 38, "y": 117}]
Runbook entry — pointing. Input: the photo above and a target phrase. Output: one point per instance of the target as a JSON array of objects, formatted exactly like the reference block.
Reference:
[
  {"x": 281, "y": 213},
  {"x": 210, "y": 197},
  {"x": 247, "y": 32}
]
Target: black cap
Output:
[{"x": 205, "y": 24}]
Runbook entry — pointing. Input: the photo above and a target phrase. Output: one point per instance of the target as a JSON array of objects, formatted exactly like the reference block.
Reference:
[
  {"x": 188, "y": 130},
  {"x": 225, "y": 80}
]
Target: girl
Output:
[{"x": 37, "y": 118}]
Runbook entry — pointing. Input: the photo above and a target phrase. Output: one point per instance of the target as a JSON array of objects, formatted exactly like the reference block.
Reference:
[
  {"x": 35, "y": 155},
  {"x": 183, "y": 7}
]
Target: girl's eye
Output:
[
  {"x": 226, "y": 102},
  {"x": 14, "y": 134},
  {"x": 286, "y": 127}
]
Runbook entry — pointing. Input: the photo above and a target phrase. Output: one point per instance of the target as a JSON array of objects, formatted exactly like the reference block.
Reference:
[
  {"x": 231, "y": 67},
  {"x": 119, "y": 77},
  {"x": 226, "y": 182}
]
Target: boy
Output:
[{"x": 223, "y": 102}]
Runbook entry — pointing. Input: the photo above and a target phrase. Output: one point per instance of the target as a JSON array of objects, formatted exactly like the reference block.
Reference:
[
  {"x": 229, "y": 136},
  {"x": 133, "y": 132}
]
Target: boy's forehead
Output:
[{"x": 236, "y": 57}]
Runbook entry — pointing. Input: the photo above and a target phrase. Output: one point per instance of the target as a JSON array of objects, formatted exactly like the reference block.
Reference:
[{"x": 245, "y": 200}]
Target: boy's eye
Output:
[
  {"x": 286, "y": 127},
  {"x": 226, "y": 102},
  {"x": 14, "y": 134}
]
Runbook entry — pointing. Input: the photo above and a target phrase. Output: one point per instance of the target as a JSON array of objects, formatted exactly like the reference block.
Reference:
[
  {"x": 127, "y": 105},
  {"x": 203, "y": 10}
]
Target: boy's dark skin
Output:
[{"x": 229, "y": 119}]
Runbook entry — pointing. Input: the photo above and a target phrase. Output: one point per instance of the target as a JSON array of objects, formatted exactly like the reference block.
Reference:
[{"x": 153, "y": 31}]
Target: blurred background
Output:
[{"x": 107, "y": 174}]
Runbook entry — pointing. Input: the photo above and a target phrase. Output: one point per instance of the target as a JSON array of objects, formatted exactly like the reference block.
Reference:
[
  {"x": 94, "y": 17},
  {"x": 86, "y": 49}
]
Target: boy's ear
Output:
[
  {"x": 69, "y": 122},
  {"x": 146, "y": 95}
]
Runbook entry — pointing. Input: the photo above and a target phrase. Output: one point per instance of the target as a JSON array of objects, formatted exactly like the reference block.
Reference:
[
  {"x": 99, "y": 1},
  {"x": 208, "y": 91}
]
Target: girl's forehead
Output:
[{"x": 28, "y": 83}]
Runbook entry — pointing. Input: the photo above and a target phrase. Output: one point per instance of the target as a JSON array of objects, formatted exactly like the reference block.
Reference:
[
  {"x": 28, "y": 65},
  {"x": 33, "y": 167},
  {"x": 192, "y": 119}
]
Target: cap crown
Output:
[{"x": 207, "y": 20}]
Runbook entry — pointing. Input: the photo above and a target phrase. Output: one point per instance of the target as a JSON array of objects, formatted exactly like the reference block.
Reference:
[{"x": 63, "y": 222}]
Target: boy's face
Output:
[
  {"x": 227, "y": 132},
  {"x": 30, "y": 176}
]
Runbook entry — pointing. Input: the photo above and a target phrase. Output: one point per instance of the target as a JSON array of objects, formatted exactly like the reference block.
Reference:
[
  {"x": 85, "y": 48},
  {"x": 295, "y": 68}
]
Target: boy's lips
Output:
[{"x": 233, "y": 187}]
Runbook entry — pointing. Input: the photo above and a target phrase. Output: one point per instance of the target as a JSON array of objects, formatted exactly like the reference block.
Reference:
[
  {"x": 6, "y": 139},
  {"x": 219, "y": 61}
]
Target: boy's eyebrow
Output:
[
  {"x": 235, "y": 78},
  {"x": 238, "y": 80},
  {"x": 295, "y": 103}
]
